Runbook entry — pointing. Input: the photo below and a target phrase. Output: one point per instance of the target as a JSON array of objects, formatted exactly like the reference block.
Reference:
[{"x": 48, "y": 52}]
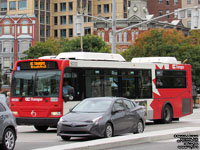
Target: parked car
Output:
[
  {"x": 102, "y": 117},
  {"x": 8, "y": 132}
]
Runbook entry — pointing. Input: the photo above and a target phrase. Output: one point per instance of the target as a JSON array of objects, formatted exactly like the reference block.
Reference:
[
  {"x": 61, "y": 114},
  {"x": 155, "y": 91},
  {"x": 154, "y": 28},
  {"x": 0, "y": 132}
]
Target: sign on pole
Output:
[{"x": 78, "y": 25}]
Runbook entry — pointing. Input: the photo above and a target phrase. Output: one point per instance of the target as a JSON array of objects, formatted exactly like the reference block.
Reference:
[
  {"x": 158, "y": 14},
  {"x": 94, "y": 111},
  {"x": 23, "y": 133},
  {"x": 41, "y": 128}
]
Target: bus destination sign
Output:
[
  {"x": 34, "y": 65},
  {"x": 38, "y": 65}
]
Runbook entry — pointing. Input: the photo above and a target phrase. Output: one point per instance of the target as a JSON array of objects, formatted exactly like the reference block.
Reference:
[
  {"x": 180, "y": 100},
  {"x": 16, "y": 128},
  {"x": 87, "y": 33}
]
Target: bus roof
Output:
[
  {"x": 166, "y": 60},
  {"x": 91, "y": 56}
]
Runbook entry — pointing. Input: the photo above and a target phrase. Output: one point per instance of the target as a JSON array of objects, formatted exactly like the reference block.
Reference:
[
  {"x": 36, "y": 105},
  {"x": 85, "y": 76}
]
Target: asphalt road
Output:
[{"x": 29, "y": 138}]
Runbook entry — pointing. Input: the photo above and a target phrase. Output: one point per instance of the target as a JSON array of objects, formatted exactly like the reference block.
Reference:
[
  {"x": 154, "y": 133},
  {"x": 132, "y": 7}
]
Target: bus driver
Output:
[{"x": 67, "y": 89}]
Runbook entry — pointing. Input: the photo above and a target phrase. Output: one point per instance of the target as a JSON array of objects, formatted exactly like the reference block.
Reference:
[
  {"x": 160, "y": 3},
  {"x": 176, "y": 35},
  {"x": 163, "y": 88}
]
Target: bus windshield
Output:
[{"x": 35, "y": 83}]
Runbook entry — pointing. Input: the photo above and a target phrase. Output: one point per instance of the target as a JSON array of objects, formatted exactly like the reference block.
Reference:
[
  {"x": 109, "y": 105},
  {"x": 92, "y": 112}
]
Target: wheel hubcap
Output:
[
  {"x": 9, "y": 140},
  {"x": 167, "y": 114},
  {"x": 109, "y": 131},
  {"x": 140, "y": 127}
]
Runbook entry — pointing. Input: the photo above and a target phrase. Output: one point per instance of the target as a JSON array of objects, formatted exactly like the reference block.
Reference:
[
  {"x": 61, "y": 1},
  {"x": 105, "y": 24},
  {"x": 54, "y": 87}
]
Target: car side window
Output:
[
  {"x": 128, "y": 104},
  {"x": 2, "y": 108},
  {"x": 118, "y": 105}
]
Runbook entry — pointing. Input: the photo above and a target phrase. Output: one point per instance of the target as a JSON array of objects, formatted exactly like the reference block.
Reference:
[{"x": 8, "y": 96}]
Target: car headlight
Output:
[
  {"x": 96, "y": 120},
  {"x": 61, "y": 119}
]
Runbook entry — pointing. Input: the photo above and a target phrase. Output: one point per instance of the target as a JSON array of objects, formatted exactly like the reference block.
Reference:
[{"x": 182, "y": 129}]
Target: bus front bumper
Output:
[{"x": 37, "y": 121}]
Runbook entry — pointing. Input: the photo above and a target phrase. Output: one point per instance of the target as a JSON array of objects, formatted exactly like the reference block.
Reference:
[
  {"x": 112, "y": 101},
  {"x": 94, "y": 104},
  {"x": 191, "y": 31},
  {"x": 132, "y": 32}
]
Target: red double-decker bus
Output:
[{"x": 162, "y": 84}]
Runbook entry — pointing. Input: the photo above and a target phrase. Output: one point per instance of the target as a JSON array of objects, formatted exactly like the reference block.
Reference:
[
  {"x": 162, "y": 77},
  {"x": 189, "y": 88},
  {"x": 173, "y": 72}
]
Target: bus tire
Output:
[
  {"x": 65, "y": 138},
  {"x": 167, "y": 114},
  {"x": 41, "y": 128}
]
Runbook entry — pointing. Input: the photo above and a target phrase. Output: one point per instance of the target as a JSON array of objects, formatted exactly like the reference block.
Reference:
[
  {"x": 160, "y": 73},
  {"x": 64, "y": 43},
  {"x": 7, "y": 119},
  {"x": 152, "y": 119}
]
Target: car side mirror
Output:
[{"x": 119, "y": 109}]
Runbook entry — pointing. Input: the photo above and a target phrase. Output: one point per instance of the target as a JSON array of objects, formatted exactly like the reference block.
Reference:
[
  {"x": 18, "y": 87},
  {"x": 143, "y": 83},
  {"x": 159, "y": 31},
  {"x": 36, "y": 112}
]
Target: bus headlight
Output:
[
  {"x": 15, "y": 113},
  {"x": 55, "y": 113}
]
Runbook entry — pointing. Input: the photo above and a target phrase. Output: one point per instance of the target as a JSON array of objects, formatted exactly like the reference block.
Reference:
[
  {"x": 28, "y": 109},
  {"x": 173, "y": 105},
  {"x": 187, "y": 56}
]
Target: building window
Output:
[
  {"x": 47, "y": 32},
  {"x": 55, "y": 7},
  {"x": 125, "y": 37},
  {"x": 3, "y": 5},
  {"x": 102, "y": 35},
  {"x": 63, "y": 33},
  {"x": 106, "y": 8},
  {"x": 6, "y": 29},
  {"x": 167, "y": 12},
  {"x": 167, "y": 2},
  {"x": 55, "y": 33},
  {"x": 42, "y": 19},
  {"x": 99, "y": 34},
  {"x": 42, "y": 32},
  {"x": 87, "y": 31},
  {"x": 189, "y": 12},
  {"x": 189, "y": 24},
  {"x": 160, "y": 13},
  {"x": 24, "y": 45},
  {"x": 70, "y": 5},
  {"x": 47, "y": 19},
  {"x": 132, "y": 35},
  {"x": 36, "y": 4},
  {"x": 188, "y": 1},
  {"x": 70, "y": 19},
  {"x": 175, "y": 2},
  {"x": 42, "y": 5},
  {"x": 85, "y": 19},
  {"x": 18, "y": 29},
  {"x": 12, "y": 5},
  {"x": 0, "y": 30},
  {"x": 99, "y": 9},
  {"x": 89, "y": 7},
  {"x": 175, "y": 14},
  {"x": 47, "y": 5},
  {"x": 56, "y": 20},
  {"x": 120, "y": 37},
  {"x": 62, "y": 20},
  {"x": 62, "y": 6},
  {"x": 70, "y": 32},
  {"x": 6, "y": 62},
  {"x": 110, "y": 37},
  {"x": 22, "y": 4},
  {"x": 198, "y": 1},
  {"x": 160, "y": 1},
  {"x": 24, "y": 29},
  {"x": 30, "y": 29}
]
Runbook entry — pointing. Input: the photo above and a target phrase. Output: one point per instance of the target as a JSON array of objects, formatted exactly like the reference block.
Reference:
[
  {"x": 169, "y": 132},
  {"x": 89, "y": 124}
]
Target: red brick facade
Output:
[{"x": 154, "y": 6}]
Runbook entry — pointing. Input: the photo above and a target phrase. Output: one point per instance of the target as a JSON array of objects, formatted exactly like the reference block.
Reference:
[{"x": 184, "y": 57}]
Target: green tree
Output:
[
  {"x": 168, "y": 42},
  {"x": 91, "y": 43},
  {"x": 50, "y": 47}
]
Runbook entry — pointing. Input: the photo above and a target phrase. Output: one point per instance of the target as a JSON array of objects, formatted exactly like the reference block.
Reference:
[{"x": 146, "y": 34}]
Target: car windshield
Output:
[
  {"x": 93, "y": 106},
  {"x": 35, "y": 83}
]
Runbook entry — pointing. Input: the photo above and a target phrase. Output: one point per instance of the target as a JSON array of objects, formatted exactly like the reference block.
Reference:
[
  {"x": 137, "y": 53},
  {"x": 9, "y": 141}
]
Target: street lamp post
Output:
[{"x": 113, "y": 26}]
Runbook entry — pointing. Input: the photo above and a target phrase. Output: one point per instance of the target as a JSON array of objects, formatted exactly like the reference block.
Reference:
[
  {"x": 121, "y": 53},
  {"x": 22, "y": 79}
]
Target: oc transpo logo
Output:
[{"x": 33, "y": 113}]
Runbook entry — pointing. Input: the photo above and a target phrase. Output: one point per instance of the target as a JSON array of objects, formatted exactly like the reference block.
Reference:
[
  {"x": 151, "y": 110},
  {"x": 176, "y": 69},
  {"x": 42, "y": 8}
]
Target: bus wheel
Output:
[
  {"x": 41, "y": 128},
  {"x": 167, "y": 114},
  {"x": 65, "y": 138}
]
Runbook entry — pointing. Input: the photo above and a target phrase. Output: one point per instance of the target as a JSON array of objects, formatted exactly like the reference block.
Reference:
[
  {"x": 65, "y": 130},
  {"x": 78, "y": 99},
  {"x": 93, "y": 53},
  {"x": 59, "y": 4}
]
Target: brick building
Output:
[
  {"x": 17, "y": 34},
  {"x": 162, "y": 7}
]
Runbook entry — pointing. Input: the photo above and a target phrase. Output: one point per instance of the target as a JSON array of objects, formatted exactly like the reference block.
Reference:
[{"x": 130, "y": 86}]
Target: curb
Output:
[{"x": 130, "y": 139}]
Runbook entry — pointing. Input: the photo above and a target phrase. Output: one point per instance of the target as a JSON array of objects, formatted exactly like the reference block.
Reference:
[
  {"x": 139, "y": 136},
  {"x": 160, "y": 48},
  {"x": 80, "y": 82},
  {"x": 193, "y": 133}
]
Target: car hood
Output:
[{"x": 81, "y": 117}]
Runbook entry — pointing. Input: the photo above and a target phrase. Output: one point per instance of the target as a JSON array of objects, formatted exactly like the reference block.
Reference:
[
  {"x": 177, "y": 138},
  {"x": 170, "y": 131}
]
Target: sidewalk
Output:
[{"x": 120, "y": 141}]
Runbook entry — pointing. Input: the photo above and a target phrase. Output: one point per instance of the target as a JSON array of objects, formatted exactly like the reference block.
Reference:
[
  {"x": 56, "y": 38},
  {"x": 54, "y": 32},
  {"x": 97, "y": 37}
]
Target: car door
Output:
[
  {"x": 2, "y": 119},
  {"x": 118, "y": 117},
  {"x": 131, "y": 114}
]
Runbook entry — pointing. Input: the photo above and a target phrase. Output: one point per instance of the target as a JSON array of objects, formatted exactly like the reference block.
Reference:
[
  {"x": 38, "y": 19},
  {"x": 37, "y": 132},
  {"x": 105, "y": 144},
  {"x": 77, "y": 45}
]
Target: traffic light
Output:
[
  {"x": 78, "y": 25},
  {"x": 195, "y": 19}
]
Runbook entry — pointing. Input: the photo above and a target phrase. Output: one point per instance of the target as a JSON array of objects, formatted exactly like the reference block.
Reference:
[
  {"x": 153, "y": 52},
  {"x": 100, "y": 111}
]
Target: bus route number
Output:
[{"x": 37, "y": 65}]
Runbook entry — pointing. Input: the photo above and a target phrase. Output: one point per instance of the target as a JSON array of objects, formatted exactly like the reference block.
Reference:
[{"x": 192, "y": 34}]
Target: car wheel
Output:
[
  {"x": 108, "y": 131},
  {"x": 9, "y": 138},
  {"x": 140, "y": 127},
  {"x": 167, "y": 114},
  {"x": 41, "y": 128},
  {"x": 65, "y": 138}
]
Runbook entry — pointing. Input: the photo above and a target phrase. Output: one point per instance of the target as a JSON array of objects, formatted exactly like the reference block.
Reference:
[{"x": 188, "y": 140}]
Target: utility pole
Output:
[{"x": 113, "y": 26}]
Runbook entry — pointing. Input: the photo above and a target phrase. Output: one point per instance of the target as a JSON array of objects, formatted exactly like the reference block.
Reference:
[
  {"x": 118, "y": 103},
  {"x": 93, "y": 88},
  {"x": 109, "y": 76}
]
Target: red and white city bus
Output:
[{"x": 162, "y": 84}]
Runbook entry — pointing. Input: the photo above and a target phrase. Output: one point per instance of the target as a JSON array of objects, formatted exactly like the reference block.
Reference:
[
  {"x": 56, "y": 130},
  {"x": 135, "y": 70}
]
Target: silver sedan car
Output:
[
  {"x": 102, "y": 117},
  {"x": 8, "y": 133}
]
